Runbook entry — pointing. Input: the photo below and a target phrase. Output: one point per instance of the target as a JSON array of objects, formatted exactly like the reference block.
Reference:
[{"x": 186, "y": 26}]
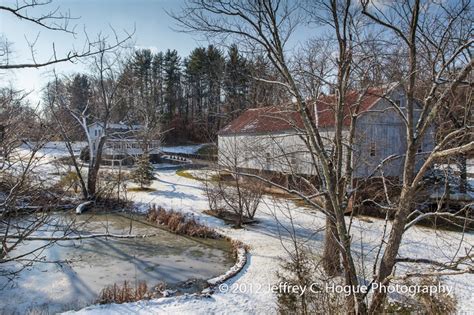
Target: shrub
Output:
[
  {"x": 214, "y": 195},
  {"x": 143, "y": 173},
  {"x": 123, "y": 293},
  {"x": 69, "y": 180},
  {"x": 300, "y": 270},
  {"x": 84, "y": 155},
  {"x": 110, "y": 184},
  {"x": 179, "y": 223},
  {"x": 234, "y": 195},
  {"x": 436, "y": 303}
]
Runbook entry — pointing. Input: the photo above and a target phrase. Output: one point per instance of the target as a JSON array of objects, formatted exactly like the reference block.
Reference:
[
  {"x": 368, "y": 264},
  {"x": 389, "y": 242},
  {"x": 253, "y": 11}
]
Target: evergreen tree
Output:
[
  {"x": 143, "y": 173},
  {"x": 263, "y": 93},
  {"x": 214, "y": 66},
  {"x": 172, "y": 77},
  {"x": 158, "y": 81},
  {"x": 194, "y": 98},
  {"x": 236, "y": 83},
  {"x": 79, "y": 93},
  {"x": 195, "y": 79}
]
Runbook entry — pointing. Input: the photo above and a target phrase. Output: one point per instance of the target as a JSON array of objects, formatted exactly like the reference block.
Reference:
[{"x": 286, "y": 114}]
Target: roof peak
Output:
[{"x": 283, "y": 117}]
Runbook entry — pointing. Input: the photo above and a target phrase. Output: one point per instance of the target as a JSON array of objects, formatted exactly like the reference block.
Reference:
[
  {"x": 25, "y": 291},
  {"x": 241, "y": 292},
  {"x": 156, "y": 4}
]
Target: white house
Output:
[
  {"x": 272, "y": 138},
  {"x": 122, "y": 145}
]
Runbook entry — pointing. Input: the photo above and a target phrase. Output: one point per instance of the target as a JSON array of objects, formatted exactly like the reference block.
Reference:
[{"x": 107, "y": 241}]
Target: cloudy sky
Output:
[{"x": 153, "y": 30}]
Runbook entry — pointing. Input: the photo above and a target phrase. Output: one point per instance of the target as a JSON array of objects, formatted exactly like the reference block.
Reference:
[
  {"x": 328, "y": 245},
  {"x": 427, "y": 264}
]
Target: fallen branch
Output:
[
  {"x": 439, "y": 214},
  {"x": 79, "y": 237},
  {"x": 433, "y": 274},
  {"x": 427, "y": 261},
  {"x": 83, "y": 206}
]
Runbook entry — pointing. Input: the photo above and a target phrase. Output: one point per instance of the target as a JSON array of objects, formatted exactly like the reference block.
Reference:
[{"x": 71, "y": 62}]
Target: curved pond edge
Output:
[
  {"x": 240, "y": 249},
  {"x": 241, "y": 252}
]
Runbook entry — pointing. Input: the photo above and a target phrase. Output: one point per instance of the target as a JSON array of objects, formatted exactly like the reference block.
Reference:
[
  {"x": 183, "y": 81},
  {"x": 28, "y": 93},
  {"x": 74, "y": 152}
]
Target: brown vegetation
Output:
[
  {"x": 117, "y": 293},
  {"x": 229, "y": 217},
  {"x": 233, "y": 198},
  {"x": 303, "y": 269},
  {"x": 179, "y": 223},
  {"x": 139, "y": 189}
]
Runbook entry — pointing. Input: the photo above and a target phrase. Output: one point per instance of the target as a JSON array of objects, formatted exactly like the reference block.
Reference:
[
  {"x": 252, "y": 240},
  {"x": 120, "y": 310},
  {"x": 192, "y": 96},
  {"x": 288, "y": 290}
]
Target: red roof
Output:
[{"x": 282, "y": 118}]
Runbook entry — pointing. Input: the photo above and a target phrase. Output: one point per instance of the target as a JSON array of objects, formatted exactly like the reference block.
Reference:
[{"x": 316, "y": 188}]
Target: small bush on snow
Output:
[{"x": 124, "y": 293}]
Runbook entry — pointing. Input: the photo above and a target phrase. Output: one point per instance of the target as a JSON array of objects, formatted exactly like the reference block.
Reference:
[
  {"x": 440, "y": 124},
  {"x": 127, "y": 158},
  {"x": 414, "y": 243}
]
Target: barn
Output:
[{"x": 272, "y": 138}]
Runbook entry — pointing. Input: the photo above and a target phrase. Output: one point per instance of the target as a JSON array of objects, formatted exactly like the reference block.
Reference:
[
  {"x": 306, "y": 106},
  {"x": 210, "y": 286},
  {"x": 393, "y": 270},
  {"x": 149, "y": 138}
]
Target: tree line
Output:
[
  {"x": 424, "y": 46},
  {"x": 190, "y": 98}
]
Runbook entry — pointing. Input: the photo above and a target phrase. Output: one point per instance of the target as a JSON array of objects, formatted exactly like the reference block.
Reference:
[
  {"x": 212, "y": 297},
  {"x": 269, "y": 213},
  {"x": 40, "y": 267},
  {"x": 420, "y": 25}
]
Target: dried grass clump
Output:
[
  {"x": 179, "y": 223},
  {"x": 124, "y": 293},
  {"x": 438, "y": 303}
]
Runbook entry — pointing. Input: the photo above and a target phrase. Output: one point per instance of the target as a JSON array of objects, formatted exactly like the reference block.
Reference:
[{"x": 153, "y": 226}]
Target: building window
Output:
[
  {"x": 267, "y": 157},
  {"x": 372, "y": 149},
  {"x": 293, "y": 159}
]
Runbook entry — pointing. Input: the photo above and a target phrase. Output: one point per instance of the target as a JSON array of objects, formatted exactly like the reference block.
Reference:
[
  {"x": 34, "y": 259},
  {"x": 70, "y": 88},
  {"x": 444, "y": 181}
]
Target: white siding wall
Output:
[
  {"x": 129, "y": 147},
  {"x": 283, "y": 152},
  {"x": 118, "y": 146},
  {"x": 380, "y": 133}
]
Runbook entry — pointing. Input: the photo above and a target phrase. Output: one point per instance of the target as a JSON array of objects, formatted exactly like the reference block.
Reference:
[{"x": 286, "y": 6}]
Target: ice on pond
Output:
[{"x": 87, "y": 266}]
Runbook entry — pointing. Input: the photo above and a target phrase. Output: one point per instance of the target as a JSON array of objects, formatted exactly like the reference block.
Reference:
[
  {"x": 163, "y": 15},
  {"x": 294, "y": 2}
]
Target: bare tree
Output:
[
  {"x": 106, "y": 68},
  {"x": 269, "y": 26},
  {"x": 228, "y": 190},
  {"x": 412, "y": 25},
  {"x": 22, "y": 190},
  {"x": 52, "y": 19},
  {"x": 25, "y": 192}
]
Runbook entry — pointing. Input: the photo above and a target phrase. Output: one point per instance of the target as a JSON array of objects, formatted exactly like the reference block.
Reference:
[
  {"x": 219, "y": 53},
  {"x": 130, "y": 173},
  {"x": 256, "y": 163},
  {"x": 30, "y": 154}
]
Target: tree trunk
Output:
[
  {"x": 94, "y": 171},
  {"x": 463, "y": 174},
  {"x": 331, "y": 255},
  {"x": 391, "y": 251}
]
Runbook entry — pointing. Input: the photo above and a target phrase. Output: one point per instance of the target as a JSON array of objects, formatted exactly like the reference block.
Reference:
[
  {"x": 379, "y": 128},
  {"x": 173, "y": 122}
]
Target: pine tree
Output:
[
  {"x": 236, "y": 83},
  {"x": 172, "y": 81},
  {"x": 214, "y": 66},
  {"x": 143, "y": 174},
  {"x": 195, "y": 78}
]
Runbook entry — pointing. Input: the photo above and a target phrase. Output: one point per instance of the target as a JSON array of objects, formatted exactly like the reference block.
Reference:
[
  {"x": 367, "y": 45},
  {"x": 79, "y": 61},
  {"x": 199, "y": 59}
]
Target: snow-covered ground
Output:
[
  {"x": 455, "y": 167},
  {"x": 55, "y": 149},
  {"x": 45, "y": 163},
  {"x": 187, "y": 149},
  {"x": 249, "y": 290}
]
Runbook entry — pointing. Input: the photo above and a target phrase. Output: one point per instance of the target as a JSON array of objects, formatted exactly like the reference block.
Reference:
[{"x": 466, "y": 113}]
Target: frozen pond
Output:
[{"x": 92, "y": 264}]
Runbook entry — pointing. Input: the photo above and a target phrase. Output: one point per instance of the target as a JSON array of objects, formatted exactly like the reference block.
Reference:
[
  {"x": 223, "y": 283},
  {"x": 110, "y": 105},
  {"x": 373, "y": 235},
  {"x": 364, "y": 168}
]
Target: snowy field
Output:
[
  {"x": 249, "y": 290},
  {"x": 56, "y": 149}
]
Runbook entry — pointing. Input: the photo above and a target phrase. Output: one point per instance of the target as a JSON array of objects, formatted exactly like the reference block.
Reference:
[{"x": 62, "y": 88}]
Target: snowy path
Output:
[{"x": 248, "y": 291}]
